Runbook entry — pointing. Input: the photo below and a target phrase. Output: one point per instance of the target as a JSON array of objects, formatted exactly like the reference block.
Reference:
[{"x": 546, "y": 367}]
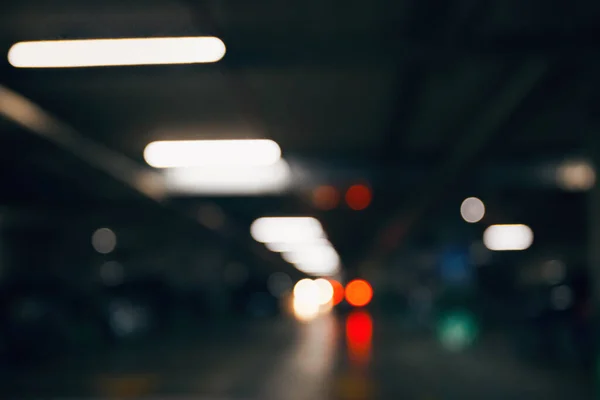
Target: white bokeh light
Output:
[
  {"x": 229, "y": 180},
  {"x": 301, "y": 242},
  {"x": 472, "y": 210},
  {"x": 325, "y": 291},
  {"x": 104, "y": 240},
  {"x": 306, "y": 304},
  {"x": 576, "y": 175},
  {"x": 212, "y": 153},
  {"x": 286, "y": 229},
  {"x": 112, "y": 52},
  {"x": 305, "y": 310},
  {"x": 314, "y": 260},
  {"x": 508, "y": 237},
  {"x": 306, "y": 289}
]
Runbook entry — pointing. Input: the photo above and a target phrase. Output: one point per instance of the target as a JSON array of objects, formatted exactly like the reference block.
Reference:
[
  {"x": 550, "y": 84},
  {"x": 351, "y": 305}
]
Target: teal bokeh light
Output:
[{"x": 457, "y": 330}]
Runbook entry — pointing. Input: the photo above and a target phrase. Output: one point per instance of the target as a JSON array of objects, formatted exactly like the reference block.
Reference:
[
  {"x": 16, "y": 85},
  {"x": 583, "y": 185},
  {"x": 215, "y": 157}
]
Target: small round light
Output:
[
  {"x": 338, "y": 291},
  {"x": 472, "y": 210},
  {"x": 306, "y": 290},
  {"x": 325, "y": 197},
  {"x": 104, "y": 240},
  {"x": 358, "y": 197},
  {"x": 359, "y": 293},
  {"x": 576, "y": 175},
  {"x": 325, "y": 290}
]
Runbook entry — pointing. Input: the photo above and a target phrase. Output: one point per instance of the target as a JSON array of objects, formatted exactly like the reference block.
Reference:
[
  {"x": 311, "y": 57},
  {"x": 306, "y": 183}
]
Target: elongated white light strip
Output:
[
  {"x": 282, "y": 247},
  {"x": 112, "y": 52},
  {"x": 286, "y": 229},
  {"x": 212, "y": 153},
  {"x": 231, "y": 181},
  {"x": 508, "y": 237},
  {"x": 302, "y": 242},
  {"x": 312, "y": 254},
  {"x": 318, "y": 269}
]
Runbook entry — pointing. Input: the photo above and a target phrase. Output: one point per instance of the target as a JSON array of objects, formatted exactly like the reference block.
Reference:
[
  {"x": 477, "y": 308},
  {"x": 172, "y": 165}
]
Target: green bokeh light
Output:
[{"x": 457, "y": 330}]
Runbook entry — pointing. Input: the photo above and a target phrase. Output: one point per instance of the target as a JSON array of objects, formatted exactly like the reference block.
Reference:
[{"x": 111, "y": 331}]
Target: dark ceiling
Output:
[{"x": 425, "y": 101}]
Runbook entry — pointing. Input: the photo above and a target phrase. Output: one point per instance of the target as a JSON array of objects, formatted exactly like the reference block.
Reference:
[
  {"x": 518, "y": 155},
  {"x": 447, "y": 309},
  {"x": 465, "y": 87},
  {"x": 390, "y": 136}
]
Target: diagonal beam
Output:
[
  {"x": 30, "y": 116},
  {"x": 477, "y": 135}
]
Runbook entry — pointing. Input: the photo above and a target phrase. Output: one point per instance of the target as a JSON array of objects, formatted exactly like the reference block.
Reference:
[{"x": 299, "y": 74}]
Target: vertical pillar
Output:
[
  {"x": 593, "y": 249},
  {"x": 4, "y": 247},
  {"x": 593, "y": 221},
  {"x": 2, "y": 254}
]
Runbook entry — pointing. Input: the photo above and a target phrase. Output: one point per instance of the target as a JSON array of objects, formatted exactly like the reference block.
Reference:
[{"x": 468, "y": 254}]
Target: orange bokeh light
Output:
[
  {"x": 359, "y": 293},
  {"x": 326, "y": 197},
  {"x": 338, "y": 291},
  {"x": 358, "y": 197}
]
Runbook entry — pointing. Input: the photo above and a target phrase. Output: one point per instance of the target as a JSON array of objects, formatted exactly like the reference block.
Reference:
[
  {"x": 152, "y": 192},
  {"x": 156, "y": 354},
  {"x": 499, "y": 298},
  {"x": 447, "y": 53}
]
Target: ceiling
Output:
[{"x": 425, "y": 101}]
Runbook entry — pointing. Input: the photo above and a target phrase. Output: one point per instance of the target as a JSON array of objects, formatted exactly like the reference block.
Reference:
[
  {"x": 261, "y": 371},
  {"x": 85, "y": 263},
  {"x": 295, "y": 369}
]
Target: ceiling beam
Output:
[
  {"x": 249, "y": 49},
  {"x": 31, "y": 117},
  {"x": 392, "y": 177}
]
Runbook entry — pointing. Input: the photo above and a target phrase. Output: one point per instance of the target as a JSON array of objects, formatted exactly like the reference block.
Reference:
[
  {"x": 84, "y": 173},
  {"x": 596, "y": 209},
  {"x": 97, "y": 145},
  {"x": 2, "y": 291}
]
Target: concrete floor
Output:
[{"x": 282, "y": 359}]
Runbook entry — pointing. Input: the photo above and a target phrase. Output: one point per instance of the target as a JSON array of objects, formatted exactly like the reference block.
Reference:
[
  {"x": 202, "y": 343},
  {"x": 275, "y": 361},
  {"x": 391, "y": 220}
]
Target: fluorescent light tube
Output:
[{"x": 113, "y": 52}]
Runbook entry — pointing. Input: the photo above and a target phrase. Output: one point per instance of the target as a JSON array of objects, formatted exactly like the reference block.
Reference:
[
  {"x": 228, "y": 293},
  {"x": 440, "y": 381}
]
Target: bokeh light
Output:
[
  {"x": 314, "y": 259},
  {"x": 301, "y": 241},
  {"x": 104, "y": 240},
  {"x": 306, "y": 302},
  {"x": 358, "y": 197},
  {"x": 234, "y": 180},
  {"x": 326, "y": 197},
  {"x": 359, "y": 293},
  {"x": 576, "y": 175},
  {"x": 305, "y": 310},
  {"x": 121, "y": 51},
  {"x": 359, "y": 335},
  {"x": 286, "y": 230},
  {"x": 508, "y": 237},
  {"x": 457, "y": 330},
  {"x": 325, "y": 291},
  {"x": 212, "y": 153},
  {"x": 338, "y": 291},
  {"x": 306, "y": 289},
  {"x": 472, "y": 210},
  {"x": 277, "y": 247}
]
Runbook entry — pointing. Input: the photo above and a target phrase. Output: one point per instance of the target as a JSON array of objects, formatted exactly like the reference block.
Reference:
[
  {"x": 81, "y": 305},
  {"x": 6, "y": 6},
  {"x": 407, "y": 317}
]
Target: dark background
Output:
[{"x": 425, "y": 102}]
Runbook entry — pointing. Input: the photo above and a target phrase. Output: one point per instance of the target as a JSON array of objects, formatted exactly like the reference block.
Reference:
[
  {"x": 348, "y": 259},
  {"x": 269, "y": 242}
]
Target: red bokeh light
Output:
[
  {"x": 338, "y": 291},
  {"x": 358, "y": 197},
  {"x": 326, "y": 197},
  {"x": 359, "y": 293},
  {"x": 359, "y": 334}
]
